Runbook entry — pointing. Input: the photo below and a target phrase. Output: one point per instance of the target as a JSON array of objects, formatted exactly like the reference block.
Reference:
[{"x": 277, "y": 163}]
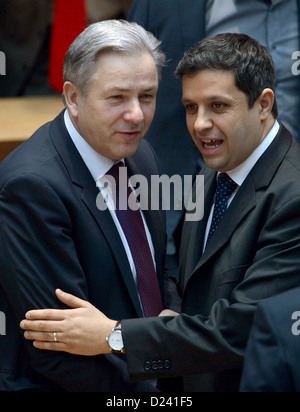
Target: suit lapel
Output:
[
  {"x": 81, "y": 177},
  {"x": 242, "y": 204},
  {"x": 192, "y": 251},
  {"x": 110, "y": 232},
  {"x": 244, "y": 201}
]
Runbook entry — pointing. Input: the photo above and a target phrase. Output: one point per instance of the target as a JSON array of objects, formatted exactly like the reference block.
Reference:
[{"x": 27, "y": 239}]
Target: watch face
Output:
[{"x": 115, "y": 341}]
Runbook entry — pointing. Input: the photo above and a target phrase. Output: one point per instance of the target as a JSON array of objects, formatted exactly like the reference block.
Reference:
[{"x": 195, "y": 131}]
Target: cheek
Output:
[{"x": 190, "y": 122}]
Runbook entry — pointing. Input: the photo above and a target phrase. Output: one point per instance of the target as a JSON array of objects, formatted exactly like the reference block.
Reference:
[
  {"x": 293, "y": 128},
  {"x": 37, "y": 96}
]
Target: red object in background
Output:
[{"x": 70, "y": 20}]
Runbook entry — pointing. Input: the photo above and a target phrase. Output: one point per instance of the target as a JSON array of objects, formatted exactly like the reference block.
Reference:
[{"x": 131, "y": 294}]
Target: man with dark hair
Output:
[
  {"x": 244, "y": 250},
  {"x": 240, "y": 54},
  {"x": 179, "y": 24}
]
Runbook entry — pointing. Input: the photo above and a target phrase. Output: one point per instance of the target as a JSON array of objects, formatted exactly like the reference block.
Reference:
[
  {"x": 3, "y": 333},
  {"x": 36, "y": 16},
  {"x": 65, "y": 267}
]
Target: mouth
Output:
[
  {"x": 130, "y": 135},
  {"x": 211, "y": 146}
]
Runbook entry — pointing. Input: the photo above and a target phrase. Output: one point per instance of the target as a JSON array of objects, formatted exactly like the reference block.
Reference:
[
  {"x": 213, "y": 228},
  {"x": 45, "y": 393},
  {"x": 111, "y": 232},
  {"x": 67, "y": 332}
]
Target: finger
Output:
[
  {"x": 168, "y": 312},
  {"x": 53, "y": 346},
  {"x": 71, "y": 300},
  {"x": 46, "y": 314},
  {"x": 42, "y": 336},
  {"x": 41, "y": 325}
]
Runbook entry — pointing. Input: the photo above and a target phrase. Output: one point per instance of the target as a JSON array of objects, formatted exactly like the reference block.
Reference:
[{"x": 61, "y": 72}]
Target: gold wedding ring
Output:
[{"x": 55, "y": 337}]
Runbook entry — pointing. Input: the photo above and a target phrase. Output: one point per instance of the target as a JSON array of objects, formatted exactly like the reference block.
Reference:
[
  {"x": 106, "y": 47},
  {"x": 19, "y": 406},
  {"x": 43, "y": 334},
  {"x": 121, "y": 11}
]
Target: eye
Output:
[
  {"x": 191, "y": 108},
  {"x": 219, "y": 106},
  {"x": 115, "y": 100},
  {"x": 147, "y": 97}
]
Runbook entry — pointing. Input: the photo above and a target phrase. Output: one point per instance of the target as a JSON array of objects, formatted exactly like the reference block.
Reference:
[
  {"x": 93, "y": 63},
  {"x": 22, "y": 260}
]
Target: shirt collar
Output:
[
  {"x": 240, "y": 174},
  {"x": 97, "y": 164}
]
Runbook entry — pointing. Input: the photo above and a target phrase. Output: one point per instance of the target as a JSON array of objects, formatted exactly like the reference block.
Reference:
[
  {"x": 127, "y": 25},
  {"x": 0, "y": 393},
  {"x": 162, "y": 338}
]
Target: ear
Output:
[
  {"x": 266, "y": 102},
  {"x": 72, "y": 98}
]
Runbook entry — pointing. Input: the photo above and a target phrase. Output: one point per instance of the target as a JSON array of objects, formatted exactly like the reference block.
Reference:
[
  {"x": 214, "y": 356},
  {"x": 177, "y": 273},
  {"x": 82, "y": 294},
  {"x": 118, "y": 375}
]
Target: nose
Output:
[
  {"x": 202, "y": 122},
  {"x": 134, "y": 113}
]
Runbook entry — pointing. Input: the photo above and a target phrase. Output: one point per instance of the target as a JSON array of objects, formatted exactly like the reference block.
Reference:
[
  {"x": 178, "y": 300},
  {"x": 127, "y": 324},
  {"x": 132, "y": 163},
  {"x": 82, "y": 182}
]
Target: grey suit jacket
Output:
[{"x": 254, "y": 254}]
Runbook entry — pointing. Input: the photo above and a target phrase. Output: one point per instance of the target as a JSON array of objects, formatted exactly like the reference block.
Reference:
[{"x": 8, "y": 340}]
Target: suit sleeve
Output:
[
  {"x": 265, "y": 369},
  {"x": 37, "y": 255},
  {"x": 190, "y": 345}
]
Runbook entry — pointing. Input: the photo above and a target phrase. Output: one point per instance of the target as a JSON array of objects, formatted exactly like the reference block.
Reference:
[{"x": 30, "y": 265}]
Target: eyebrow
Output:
[
  {"x": 117, "y": 89},
  {"x": 226, "y": 99}
]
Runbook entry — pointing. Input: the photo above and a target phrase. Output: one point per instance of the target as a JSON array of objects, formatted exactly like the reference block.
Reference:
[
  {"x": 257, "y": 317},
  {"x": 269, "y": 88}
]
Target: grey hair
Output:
[{"x": 98, "y": 38}]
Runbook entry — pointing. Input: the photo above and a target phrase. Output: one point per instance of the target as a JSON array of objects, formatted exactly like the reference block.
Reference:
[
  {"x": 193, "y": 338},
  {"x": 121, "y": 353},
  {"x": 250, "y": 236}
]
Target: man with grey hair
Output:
[
  {"x": 244, "y": 250},
  {"x": 52, "y": 233}
]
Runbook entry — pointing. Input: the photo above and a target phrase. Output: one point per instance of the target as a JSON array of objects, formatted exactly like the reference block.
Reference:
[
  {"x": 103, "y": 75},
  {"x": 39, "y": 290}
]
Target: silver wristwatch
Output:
[{"x": 115, "y": 339}]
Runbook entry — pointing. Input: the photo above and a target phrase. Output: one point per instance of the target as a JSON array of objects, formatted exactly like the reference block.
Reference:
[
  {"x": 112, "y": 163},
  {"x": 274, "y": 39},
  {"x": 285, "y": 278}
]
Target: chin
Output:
[
  {"x": 219, "y": 167},
  {"x": 128, "y": 152}
]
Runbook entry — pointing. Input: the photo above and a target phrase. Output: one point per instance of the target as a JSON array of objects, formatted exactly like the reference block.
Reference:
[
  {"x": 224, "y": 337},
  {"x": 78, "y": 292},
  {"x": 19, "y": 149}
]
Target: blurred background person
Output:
[
  {"x": 273, "y": 352},
  {"x": 25, "y": 38},
  {"x": 180, "y": 24}
]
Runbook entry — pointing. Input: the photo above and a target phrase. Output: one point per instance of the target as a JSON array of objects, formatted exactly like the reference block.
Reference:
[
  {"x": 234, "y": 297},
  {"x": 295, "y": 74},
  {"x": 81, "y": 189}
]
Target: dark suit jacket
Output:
[
  {"x": 179, "y": 24},
  {"x": 53, "y": 236},
  {"x": 272, "y": 362},
  {"x": 254, "y": 254}
]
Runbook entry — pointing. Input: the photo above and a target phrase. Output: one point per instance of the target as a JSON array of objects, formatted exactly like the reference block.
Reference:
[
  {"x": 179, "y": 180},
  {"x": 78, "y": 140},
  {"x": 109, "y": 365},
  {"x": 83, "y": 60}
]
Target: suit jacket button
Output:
[
  {"x": 167, "y": 364},
  {"x": 160, "y": 364},
  {"x": 147, "y": 366},
  {"x": 154, "y": 365}
]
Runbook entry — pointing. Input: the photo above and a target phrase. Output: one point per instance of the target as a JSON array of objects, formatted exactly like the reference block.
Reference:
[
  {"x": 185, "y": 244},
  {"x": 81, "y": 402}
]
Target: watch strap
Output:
[{"x": 118, "y": 326}]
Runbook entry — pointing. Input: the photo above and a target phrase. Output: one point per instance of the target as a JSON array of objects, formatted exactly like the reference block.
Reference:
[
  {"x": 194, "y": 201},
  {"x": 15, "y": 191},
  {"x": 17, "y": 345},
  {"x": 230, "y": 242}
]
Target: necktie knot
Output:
[
  {"x": 225, "y": 188},
  {"x": 115, "y": 170}
]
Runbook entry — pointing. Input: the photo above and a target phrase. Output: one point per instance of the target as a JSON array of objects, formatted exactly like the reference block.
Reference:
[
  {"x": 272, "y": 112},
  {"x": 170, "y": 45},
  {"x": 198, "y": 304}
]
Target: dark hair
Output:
[{"x": 252, "y": 63}]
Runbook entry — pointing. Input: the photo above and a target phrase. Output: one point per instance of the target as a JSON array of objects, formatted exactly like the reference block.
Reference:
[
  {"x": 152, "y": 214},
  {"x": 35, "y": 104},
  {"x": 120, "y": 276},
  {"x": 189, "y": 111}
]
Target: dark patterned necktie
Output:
[
  {"x": 133, "y": 227},
  {"x": 225, "y": 188}
]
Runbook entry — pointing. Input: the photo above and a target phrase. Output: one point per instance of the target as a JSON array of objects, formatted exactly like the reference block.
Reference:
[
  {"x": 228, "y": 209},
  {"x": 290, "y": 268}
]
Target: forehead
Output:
[
  {"x": 115, "y": 68},
  {"x": 207, "y": 84}
]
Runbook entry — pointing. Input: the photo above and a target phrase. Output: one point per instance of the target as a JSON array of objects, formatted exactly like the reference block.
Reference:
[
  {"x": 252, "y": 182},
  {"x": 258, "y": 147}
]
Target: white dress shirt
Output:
[
  {"x": 240, "y": 174},
  {"x": 98, "y": 167}
]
